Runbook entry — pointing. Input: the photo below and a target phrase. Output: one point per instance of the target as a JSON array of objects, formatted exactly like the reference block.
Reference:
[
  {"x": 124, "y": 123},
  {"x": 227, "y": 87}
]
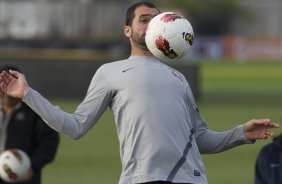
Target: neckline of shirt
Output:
[{"x": 143, "y": 58}]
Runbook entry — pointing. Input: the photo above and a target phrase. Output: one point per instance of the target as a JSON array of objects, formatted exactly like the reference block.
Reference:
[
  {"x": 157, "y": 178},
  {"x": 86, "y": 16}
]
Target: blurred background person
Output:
[
  {"x": 23, "y": 129},
  {"x": 268, "y": 168}
]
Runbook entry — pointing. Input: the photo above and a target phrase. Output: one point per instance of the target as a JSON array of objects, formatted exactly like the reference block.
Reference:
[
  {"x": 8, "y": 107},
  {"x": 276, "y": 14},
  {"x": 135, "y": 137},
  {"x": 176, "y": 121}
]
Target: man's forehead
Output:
[{"x": 145, "y": 11}]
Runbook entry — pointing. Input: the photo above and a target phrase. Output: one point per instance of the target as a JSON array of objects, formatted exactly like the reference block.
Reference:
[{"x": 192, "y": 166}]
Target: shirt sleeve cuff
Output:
[
  {"x": 243, "y": 135},
  {"x": 25, "y": 93}
]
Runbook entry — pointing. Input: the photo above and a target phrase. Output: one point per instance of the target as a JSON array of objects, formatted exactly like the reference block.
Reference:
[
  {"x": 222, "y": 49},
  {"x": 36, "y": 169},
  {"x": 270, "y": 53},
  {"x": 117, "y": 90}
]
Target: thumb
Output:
[{"x": 15, "y": 74}]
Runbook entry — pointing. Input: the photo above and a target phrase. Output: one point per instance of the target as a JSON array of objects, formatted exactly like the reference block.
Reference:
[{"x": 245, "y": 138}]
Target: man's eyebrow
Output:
[{"x": 147, "y": 15}]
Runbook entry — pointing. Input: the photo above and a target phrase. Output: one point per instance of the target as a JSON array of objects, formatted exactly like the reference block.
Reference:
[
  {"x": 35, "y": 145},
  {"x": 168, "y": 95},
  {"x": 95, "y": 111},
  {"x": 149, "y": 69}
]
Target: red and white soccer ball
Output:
[
  {"x": 14, "y": 165},
  {"x": 169, "y": 36}
]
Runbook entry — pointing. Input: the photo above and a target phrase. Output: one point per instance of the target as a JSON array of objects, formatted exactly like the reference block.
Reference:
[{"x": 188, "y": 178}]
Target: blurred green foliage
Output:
[{"x": 208, "y": 17}]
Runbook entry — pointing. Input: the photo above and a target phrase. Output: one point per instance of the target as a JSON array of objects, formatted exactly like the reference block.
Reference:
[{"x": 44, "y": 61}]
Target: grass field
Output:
[{"x": 231, "y": 94}]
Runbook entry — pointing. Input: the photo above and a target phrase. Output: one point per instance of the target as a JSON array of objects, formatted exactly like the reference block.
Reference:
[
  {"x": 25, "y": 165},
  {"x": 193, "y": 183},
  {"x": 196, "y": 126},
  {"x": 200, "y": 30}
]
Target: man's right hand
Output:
[{"x": 14, "y": 84}]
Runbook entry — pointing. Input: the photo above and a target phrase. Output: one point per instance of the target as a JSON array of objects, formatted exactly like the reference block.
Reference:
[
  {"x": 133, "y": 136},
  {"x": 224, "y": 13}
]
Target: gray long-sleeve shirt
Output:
[{"x": 160, "y": 130}]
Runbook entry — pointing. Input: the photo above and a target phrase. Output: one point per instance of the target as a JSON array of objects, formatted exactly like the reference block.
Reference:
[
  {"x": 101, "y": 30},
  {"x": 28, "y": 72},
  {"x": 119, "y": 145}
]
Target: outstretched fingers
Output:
[
  {"x": 14, "y": 84},
  {"x": 5, "y": 80},
  {"x": 259, "y": 128},
  {"x": 15, "y": 74},
  {"x": 267, "y": 123},
  {"x": 268, "y": 134}
]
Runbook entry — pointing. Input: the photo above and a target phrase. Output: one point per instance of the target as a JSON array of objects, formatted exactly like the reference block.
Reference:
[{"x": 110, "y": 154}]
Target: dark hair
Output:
[
  {"x": 130, "y": 14},
  {"x": 9, "y": 67}
]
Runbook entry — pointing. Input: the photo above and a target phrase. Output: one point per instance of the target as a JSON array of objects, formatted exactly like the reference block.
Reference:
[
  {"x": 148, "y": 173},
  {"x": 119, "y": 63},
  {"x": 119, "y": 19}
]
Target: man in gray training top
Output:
[{"x": 160, "y": 130}]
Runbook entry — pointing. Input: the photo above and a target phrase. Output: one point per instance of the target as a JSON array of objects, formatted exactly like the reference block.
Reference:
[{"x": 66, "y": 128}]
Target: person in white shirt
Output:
[{"x": 160, "y": 130}]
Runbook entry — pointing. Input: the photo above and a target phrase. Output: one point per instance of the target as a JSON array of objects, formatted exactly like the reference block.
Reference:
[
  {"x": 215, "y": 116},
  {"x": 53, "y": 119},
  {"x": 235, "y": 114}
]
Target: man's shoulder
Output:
[{"x": 114, "y": 65}]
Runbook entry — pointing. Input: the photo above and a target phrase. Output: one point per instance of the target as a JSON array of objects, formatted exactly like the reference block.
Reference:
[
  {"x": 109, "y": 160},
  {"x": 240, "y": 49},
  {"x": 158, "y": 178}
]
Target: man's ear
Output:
[{"x": 127, "y": 31}]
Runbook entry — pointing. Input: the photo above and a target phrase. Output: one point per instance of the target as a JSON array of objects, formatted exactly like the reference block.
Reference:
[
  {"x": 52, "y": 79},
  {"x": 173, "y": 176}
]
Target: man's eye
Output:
[{"x": 144, "y": 20}]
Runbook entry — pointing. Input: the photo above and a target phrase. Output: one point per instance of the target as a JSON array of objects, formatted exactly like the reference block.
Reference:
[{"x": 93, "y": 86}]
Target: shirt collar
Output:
[{"x": 143, "y": 58}]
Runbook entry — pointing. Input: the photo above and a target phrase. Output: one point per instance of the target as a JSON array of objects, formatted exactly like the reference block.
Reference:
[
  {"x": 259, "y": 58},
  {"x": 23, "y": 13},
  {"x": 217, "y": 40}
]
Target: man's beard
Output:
[{"x": 139, "y": 41}]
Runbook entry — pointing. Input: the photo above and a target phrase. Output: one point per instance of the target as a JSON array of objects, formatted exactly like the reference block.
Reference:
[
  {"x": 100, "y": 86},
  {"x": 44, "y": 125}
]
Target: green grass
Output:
[
  {"x": 231, "y": 94},
  {"x": 234, "y": 93},
  {"x": 242, "y": 77}
]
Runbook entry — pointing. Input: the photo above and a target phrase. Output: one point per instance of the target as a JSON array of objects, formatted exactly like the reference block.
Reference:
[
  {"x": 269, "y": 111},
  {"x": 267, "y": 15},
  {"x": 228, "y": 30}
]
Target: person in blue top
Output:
[{"x": 268, "y": 169}]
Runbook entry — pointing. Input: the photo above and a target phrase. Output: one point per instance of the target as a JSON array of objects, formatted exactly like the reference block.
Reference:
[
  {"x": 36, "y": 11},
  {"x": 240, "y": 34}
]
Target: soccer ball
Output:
[
  {"x": 14, "y": 165},
  {"x": 169, "y": 36}
]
